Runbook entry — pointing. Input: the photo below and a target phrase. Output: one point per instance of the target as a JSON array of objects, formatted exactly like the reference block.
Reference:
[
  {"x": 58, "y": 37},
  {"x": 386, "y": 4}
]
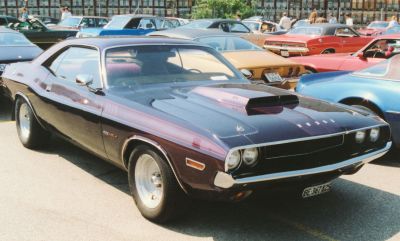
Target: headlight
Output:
[
  {"x": 374, "y": 134},
  {"x": 233, "y": 160},
  {"x": 360, "y": 137},
  {"x": 250, "y": 156}
]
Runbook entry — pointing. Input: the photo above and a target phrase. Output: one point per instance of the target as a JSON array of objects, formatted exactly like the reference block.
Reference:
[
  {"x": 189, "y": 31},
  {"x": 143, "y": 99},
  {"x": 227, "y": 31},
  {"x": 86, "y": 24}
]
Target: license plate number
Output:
[
  {"x": 316, "y": 190},
  {"x": 285, "y": 53},
  {"x": 273, "y": 77}
]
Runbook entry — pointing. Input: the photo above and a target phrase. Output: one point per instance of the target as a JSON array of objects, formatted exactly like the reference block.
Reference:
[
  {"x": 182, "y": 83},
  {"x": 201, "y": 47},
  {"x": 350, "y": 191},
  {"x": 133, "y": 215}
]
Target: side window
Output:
[
  {"x": 101, "y": 22},
  {"x": 224, "y": 27},
  {"x": 238, "y": 28},
  {"x": 75, "y": 61},
  {"x": 344, "y": 32}
]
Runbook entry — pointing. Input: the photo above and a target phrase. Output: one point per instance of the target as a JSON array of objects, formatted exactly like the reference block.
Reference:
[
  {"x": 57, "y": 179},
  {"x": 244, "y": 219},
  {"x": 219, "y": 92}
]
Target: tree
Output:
[{"x": 222, "y": 8}]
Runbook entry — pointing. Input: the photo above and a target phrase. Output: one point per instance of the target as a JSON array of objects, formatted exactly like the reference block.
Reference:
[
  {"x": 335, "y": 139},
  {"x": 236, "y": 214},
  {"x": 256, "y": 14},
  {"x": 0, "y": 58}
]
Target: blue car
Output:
[
  {"x": 375, "y": 89},
  {"x": 132, "y": 25}
]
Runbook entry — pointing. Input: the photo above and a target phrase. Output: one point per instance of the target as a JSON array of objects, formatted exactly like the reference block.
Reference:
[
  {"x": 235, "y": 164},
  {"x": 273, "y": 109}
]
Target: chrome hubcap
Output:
[
  {"x": 148, "y": 181},
  {"x": 24, "y": 121}
]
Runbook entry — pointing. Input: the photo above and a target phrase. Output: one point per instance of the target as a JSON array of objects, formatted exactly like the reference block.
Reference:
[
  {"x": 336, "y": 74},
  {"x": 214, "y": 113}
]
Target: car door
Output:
[
  {"x": 349, "y": 40},
  {"x": 76, "y": 109}
]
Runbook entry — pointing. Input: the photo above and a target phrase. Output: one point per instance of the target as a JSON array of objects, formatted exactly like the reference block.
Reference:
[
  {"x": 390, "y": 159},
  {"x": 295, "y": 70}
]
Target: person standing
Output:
[
  {"x": 24, "y": 15},
  {"x": 65, "y": 13},
  {"x": 349, "y": 20},
  {"x": 332, "y": 19},
  {"x": 313, "y": 17},
  {"x": 393, "y": 22},
  {"x": 285, "y": 22}
]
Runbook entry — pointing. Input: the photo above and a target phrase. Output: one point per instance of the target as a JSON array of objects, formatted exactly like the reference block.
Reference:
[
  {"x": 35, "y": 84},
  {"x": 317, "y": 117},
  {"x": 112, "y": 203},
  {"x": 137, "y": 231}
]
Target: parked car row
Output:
[{"x": 193, "y": 112}]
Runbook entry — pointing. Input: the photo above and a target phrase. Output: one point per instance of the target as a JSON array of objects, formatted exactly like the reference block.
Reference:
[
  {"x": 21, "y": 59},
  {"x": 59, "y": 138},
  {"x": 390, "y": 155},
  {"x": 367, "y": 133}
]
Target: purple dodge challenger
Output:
[{"x": 183, "y": 122}]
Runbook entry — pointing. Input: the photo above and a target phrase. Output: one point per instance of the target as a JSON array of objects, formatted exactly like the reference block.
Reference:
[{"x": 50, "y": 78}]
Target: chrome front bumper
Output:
[
  {"x": 224, "y": 180},
  {"x": 289, "y": 49}
]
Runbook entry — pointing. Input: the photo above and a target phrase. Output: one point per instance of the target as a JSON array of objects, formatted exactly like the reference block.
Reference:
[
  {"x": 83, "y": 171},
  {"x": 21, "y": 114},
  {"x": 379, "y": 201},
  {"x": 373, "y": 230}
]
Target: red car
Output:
[
  {"x": 317, "y": 39},
  {"x": 374, "y": 28},
  {"x": 379, "y": 49}
]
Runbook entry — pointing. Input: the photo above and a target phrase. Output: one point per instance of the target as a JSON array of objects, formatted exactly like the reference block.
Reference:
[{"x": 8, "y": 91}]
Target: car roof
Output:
[
  {"x": 328, "y": 28},
  {"x": 191, "y": 34},
  {"x": 84, "y": 16},
  {"x": 106, "y": 42}
]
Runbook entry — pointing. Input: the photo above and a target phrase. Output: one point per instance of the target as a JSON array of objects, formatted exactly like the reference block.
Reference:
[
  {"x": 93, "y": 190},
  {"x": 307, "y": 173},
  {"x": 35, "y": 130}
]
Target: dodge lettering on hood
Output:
[{"x": 184, "y": 122}]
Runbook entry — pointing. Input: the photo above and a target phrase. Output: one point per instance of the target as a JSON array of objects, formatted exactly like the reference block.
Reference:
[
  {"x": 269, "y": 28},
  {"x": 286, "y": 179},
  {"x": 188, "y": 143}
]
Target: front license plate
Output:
[
  {"x": 316, "y": 190},
  {"x": 273, "y": 77},
  {"x": 285, "y": 53}
]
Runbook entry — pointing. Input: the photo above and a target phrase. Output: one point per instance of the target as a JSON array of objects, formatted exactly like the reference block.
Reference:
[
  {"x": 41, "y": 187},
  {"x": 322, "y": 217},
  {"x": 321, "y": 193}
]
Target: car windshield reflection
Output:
[
  {"x": 14, "y": 39},
  {"x": 387, "y": 69},
  {"x": 136, "y": 66}
]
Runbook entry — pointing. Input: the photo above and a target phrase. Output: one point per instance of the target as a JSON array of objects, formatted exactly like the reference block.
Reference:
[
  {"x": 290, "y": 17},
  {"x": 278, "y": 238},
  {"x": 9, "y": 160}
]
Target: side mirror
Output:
[
  {"x": 247, "y": 73},
  {"x": 84, "y": 79},
  {"x": 361, "y": 55}
]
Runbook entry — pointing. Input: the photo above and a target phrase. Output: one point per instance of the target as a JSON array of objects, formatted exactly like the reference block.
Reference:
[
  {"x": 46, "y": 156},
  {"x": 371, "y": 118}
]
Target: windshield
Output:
[
  {"x": 393, "y": 30},
  {"x": 306, "y": 31},
  {"x": 387, "y": 69},
  {"x": 70, "y": 22},
  {"x": 226, "y": 43},
  {"x": 118, "y": 22},
  {"x": 378, "y": 25},
  {"x": 253, "y": 26},
  {"x": 14, "y": 39},
  {"x": 198, "y": 24},
  {"x": 136, "y": 66}
]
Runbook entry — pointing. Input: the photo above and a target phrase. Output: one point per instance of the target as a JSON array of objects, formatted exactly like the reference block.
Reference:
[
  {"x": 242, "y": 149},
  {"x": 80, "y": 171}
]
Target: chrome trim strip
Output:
[
  {"x": 225, "y": 180},
  {"x": 393, "y": 112},
  {"x": 296, "y": 140},
  {"x": 289, "y": 49},
  {"x": 158, "y": 147}
]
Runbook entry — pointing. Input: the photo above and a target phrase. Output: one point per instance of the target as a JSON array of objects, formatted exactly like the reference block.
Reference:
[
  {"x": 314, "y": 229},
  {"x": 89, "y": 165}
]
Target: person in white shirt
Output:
[
  {"x": 285, "y": 22},
  {"x": 349, "y": 20},
  {"x": 332, "y": 19},
  {"x": 65, "y": 13},
  {"x": 393, "y": 22}
]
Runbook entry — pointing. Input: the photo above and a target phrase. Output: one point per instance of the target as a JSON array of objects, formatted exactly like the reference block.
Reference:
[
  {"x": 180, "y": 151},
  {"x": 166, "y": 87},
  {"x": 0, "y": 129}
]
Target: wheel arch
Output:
[
  {"x": 361, "y": 101},
  {"x": 131, "y": 143},
  {"x": 332, "y": 50}
]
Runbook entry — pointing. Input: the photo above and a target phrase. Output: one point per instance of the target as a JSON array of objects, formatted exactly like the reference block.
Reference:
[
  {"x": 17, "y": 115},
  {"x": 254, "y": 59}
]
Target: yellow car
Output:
[{"x": 254, "y": 62}]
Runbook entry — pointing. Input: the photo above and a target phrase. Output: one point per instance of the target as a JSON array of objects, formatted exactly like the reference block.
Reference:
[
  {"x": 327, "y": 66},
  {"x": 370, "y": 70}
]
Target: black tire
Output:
[
  {"x": 36, "y": 137},
  {"x": 328, "y": 51},
  {"x": 173, "y": 201}
]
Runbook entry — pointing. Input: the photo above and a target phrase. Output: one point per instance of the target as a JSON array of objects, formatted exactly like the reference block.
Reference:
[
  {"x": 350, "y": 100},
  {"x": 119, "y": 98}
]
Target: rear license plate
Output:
[
  {"x": 273, "y": 77},
  {"x": 285, "y": 53},
  {"x": 316, "y": 190}
]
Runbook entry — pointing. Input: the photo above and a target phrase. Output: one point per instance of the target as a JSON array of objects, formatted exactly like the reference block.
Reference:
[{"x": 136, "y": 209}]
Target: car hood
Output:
[
  {"x": 256, "y": 59},
  {"x": 254, "y": 113},
  {"x": 19, "y": 53}
]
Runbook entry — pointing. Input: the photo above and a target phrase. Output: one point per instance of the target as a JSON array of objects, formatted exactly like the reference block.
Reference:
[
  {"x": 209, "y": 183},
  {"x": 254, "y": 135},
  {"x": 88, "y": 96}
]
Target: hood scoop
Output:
[{"x": 248, "y": 101}]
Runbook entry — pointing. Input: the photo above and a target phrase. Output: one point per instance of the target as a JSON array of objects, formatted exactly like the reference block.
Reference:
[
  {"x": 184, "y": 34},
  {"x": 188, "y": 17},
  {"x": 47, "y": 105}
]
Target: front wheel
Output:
[
  {"x": 154, "y": 187},
  {"x": 30, "y": 132}
]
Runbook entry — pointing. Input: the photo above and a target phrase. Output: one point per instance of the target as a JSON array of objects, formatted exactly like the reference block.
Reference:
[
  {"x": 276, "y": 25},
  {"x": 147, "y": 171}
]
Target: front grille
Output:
[{"x": 310, "y": 154}]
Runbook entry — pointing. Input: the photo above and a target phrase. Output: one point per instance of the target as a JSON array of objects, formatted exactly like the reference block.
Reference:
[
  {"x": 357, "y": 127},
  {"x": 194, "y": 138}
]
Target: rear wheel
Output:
[
  {"x": 153, "y": 186},
  {"x": 328, "y": 51},
  {"x": 30, "y": 133}
]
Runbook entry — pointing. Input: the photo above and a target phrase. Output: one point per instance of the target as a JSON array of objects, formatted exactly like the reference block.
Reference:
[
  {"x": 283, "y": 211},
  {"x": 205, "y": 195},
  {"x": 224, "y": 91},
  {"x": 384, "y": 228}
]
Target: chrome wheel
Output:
[
  {"x": 24, "y": 121},
  {"x": 148, "y": 181}
]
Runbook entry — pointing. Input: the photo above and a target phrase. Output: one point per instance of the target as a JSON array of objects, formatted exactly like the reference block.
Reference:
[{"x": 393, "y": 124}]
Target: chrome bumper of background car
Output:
[
  {"x": 289, "y": 49},
  {"x": 224, "y": 180}
]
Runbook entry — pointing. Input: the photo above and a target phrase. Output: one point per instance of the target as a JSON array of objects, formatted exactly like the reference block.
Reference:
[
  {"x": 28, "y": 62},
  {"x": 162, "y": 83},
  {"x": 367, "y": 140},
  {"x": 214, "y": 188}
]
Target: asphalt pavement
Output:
[{"x": 64, "y": 193}]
